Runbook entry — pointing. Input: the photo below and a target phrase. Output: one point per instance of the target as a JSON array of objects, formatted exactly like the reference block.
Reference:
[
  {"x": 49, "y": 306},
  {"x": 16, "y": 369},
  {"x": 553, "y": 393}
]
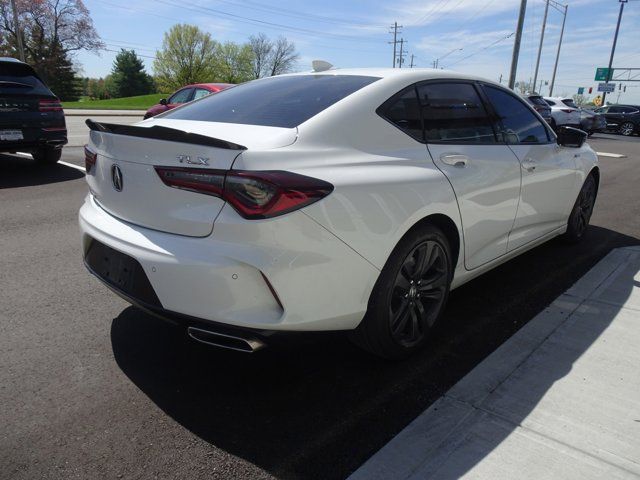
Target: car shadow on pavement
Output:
[
  {"x": 18, "y": 171},
  {"x": 319, "y": 407}
]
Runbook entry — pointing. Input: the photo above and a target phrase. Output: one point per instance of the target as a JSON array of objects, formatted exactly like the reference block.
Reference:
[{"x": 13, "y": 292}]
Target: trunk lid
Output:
[{"x": 143, "y": 199}]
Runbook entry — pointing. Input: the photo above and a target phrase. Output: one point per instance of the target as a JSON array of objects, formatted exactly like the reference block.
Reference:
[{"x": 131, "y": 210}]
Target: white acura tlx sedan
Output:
[{"x": 336, "y": 200}]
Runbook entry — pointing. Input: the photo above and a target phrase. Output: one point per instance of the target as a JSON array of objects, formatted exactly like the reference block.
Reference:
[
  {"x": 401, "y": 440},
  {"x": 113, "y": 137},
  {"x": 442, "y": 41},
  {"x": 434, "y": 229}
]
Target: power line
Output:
[{"x": 501, "y": 39}]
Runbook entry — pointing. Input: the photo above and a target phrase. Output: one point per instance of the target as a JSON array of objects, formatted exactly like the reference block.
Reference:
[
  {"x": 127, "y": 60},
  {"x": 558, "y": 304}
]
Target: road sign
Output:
[
  {"x": 603, "y": 74},
  {"x": 606, "y": 87},
  {"x": 597, "y": 101},
  {"x": 580, "y": 90}
]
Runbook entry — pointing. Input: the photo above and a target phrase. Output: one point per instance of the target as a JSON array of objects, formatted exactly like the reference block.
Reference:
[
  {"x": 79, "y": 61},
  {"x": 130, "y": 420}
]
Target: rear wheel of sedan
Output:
[
  {"x": 626, "y": 129},
  {"x": 47, "y": 156},
  {"x": 582, "y": 210},
  {"x": 409, "y": 296}
]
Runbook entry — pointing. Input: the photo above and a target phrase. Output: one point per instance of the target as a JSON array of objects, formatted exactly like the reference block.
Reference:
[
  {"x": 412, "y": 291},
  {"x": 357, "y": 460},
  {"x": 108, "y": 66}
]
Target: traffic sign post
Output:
[
  {"x": 603, "y": 74},
  {"x": 606, "y": 87}
]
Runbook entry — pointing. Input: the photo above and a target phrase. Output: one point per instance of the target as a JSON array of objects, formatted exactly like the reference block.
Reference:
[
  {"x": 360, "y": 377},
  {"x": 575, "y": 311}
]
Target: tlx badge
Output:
[{"x": 197, "y": 161}]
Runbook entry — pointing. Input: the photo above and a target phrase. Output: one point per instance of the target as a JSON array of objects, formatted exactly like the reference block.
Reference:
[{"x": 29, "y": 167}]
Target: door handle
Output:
[
  {"x": 529, "y": 165},
  {"x": 454, "y": 159}
]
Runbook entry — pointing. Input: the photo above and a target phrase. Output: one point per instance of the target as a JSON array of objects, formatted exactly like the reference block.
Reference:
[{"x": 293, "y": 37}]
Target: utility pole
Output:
[
  {"x": 544, "y": 24},
  {"x": 394, "y": 30},
  {"x": 613, "y": 47},
  {"x": 555, "y": 67},
  {"x": 500, "y": 81},
  {"x": 17, "y": 29},
  {"x": 401, "y": 54},
  {"x": 411, "y": 66},
  {"x": 516, "y": 44},
  {"x": 540, "y": 89}
]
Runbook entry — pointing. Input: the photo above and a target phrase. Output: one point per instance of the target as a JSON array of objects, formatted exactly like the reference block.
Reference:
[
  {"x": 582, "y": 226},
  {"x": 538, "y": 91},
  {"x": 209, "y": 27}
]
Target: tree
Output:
[
  {"x": 580, "y": 99},
  {"x": 188, "y": 55},
  {"x": 261, "y": 48},
  {"x": 129, "y": 77},
  {"x": 45, "y": 24},
  {"x": 271, "y": 58},
  {"x": 284, "y": 56},
  {"x": 234, "y": 63}
]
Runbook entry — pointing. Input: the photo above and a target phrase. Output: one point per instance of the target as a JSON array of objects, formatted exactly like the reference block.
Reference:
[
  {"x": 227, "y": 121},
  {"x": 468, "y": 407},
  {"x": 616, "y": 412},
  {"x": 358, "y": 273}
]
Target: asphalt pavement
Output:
[{"x": 92, "y": 387}]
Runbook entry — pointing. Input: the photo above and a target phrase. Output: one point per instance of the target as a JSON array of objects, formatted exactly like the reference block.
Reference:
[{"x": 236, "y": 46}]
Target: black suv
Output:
[
  {"x": 624, "y": 119},
  {"x": 31, "y": 117}
]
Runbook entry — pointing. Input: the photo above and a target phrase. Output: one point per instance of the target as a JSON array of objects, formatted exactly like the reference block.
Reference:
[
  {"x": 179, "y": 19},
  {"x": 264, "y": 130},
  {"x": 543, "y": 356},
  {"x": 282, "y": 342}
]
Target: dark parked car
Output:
[
  {"x": 592, "y": 122},
  {"x": 184, "y": 95},
  {"x": 624, "y": 119},
  {"x": 31, "y": 116},
  {"x": 540, "y": 106}
]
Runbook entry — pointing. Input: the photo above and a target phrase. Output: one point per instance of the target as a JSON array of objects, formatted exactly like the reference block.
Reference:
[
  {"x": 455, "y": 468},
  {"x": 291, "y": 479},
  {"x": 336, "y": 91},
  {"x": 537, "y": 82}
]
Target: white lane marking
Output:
[
  {"x": 612, "y": 155},
  {"x": 72, "y": 165},
  {"x": 23, "y": 154}
]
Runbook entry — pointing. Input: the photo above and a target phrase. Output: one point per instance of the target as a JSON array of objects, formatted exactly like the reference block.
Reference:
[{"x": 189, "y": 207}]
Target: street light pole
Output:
[
  {"x": 17, "y": 29},
  {"x": 544, "y": 24},
  {"x": 555, "y": 67},
  {"x": 516, "y": 44},
  {"x": 613, "y": 48}
]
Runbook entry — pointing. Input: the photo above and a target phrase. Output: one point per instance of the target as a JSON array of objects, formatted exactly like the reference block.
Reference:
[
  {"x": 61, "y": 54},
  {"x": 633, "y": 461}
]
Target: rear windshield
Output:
[
  {"x": 569, "y": 103},
  {"x": 18, "y": 78},
  {"x": 538, "y": 101},
  {"x": 274, "y": 102}
]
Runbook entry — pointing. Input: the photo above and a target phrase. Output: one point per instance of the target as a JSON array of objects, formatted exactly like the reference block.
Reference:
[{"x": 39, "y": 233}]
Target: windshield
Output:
[
  {"x": 20, "y": 78},
  {"x": 284, "y": 101}
]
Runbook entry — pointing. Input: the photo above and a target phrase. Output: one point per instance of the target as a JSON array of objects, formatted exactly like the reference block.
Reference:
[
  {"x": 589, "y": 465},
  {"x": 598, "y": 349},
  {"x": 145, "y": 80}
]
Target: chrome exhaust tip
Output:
[{"x": 240, "y": 342}]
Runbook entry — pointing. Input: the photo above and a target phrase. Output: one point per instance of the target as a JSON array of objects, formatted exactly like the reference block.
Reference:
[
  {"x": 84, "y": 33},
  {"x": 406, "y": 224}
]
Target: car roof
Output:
[
  {"x": 404, "y": 74},
  {"x": 210, "y": 85},
  {"x": 11, "y": 59}
]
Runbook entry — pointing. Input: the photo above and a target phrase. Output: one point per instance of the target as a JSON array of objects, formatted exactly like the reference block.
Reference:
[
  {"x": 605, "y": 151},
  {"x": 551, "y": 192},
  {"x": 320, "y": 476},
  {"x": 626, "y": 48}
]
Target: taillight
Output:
[
  {"x": 49, "y": 105},
  {"x": 90, "y": 158},
  {"x": 253, "y": 195},
  {"x": 566, "y": 110}
]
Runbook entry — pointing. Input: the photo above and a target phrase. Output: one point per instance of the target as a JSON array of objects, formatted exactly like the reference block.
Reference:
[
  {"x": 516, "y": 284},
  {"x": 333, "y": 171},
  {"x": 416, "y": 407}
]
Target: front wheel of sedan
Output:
[
  {"x": 582, "y": 210},
  {"x": 626, "y": 129},
  {"x": 409, "y": 296}
]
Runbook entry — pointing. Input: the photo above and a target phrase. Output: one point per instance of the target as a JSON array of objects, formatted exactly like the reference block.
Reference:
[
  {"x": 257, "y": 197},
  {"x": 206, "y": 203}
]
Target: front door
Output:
[{"x": 548, "y": 171}]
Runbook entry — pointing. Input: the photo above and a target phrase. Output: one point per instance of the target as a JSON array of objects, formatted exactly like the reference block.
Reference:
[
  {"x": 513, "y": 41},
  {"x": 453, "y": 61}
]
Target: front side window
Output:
[
  {"x": 454, "y": 113},
  {"x": 181, "y": 96},
  {"x": 285, "y": 101},
  {"x": 519, "y": 124},
  {"x": 404, "y": 112}
]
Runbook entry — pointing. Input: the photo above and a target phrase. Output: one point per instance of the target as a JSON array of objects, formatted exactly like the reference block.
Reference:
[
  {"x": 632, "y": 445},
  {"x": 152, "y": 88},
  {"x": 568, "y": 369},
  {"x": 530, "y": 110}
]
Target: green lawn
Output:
[{"x": 141, "y": 102}]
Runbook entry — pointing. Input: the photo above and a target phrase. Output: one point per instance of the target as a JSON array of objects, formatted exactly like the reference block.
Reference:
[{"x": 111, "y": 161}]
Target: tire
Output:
[
  {"x": 626, "y": 129},
  {"x": 47, "y": 156},
  {"x": 581, "y": 212},
  {"x": 409, "y": 297}
]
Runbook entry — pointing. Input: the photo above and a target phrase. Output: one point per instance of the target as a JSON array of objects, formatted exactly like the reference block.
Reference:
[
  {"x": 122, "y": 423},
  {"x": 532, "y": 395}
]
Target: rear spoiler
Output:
[{"x": 158, "y": 132}]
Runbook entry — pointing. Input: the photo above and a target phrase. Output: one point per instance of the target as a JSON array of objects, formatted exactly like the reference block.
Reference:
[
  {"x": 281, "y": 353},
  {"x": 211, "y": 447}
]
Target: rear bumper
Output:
[
  {"x": 44, "y": 138},
  {"x": 282, "y": 274}
]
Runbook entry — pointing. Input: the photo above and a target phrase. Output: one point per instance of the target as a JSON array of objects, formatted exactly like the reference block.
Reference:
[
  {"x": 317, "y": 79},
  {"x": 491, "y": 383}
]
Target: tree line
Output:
[{"x": 52, "y": 31}]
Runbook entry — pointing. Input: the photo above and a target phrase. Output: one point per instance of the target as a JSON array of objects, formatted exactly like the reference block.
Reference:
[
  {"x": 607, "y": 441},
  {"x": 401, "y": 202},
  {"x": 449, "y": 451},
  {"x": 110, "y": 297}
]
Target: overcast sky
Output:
[{"x": 352, "y": 33}]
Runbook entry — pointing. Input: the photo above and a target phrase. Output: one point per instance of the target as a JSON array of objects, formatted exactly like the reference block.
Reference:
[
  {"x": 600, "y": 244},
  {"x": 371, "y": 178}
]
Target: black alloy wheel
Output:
[
  {"x": 418, "y": 293},
  {"x": 410, "y": 295},
  {"x": 582, "y": 211}
]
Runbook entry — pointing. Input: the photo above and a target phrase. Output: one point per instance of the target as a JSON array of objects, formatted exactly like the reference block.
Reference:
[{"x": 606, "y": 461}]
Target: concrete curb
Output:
[
  {"x": 78, "y": 112},
  {"x": 472, "y": 430}
]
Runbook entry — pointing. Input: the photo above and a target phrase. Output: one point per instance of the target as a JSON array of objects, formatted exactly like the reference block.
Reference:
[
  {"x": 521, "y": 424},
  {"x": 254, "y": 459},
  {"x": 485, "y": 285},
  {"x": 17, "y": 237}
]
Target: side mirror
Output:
[
  {"x": 163, "y": 101},
  {"x": 571, "y": 137}
]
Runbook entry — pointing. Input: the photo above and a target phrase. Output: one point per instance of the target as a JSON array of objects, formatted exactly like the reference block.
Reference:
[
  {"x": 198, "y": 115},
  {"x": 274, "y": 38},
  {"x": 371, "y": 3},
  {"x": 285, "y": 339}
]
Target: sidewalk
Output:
[
  {"x": 78, "y": 112},
  {"x": 559, "y": 400}
]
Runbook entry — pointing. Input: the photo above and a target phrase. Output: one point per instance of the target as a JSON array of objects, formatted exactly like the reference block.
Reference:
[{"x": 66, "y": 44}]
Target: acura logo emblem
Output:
[{"x": 116, "y": 178}]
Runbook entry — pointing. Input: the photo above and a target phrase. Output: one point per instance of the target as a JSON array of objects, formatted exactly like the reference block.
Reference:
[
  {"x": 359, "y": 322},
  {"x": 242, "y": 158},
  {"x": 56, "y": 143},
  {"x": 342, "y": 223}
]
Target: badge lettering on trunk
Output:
[
  {"x": 187, "y": 159},
  {"x": 116, "y": 178}
]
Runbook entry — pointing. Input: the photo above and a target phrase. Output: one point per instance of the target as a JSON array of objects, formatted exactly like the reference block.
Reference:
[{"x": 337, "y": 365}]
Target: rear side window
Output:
[
  {"x": 519, "y": 123},
  {"x": 615, "y": 109},
  {"x": 284, "y": 101},
  {"x": 569, "y": 103},
  {"x": 551, "y": 103},
  {"x": 404, "y": 112},
  {"x": 538, "y": 101},
  {"x": 20, "y": 78},
  {"x": 454, "y": 113}
]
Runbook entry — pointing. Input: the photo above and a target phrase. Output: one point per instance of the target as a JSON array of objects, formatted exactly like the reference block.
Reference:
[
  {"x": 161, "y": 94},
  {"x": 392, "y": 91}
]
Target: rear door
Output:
[
  {"x": 548, "y": 171},
  {"x": 484, "y": 172}
]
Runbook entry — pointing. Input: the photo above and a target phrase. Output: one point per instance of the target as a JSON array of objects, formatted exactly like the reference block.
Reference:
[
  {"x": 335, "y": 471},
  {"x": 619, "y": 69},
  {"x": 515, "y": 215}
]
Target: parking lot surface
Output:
[{"x": 92, "y": 387}]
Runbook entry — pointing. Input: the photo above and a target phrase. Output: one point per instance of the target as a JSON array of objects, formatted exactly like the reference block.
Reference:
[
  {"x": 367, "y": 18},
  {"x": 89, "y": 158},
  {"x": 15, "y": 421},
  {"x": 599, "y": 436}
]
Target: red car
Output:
[{"x": 184, "y": 95}]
